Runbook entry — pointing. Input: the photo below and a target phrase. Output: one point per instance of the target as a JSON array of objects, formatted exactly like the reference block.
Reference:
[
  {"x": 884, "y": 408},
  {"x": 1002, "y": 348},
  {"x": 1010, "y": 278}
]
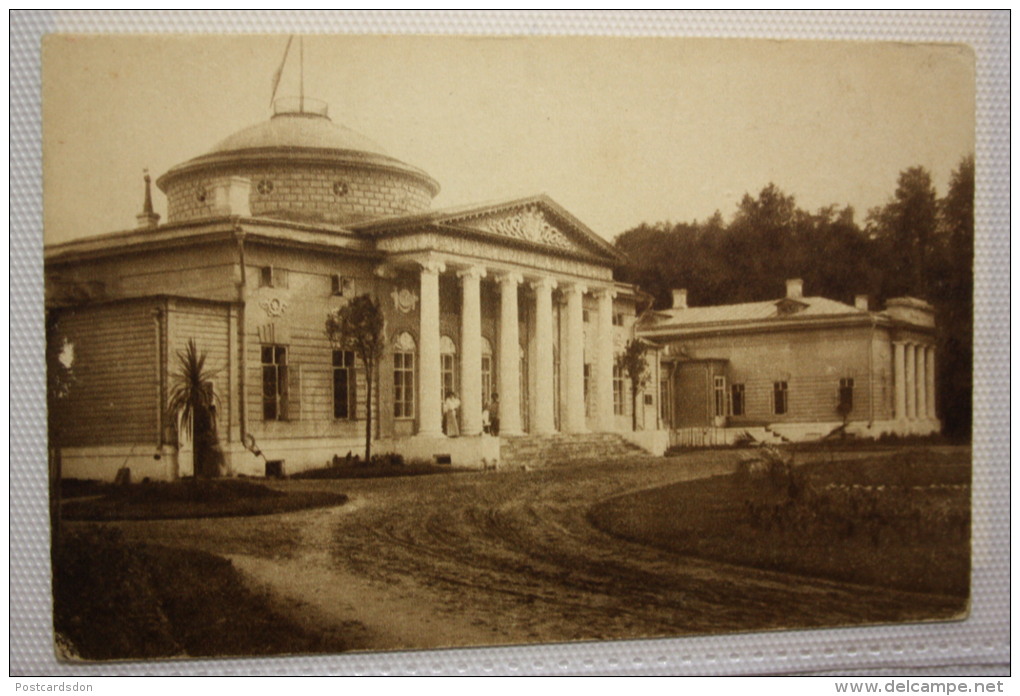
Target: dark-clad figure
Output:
[{"x": 494, "y": 414}]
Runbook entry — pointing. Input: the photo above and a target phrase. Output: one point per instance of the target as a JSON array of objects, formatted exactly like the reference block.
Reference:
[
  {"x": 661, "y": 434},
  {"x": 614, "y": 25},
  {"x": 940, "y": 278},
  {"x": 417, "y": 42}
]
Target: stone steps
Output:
[{"x": 544, "y": 450}]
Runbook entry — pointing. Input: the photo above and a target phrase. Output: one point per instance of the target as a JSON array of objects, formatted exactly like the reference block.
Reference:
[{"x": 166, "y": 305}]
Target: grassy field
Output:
[
  {"x": 186, "y": 499},
  {"x": 115, "y": 599},
  {"x": 900, "y": 521}
]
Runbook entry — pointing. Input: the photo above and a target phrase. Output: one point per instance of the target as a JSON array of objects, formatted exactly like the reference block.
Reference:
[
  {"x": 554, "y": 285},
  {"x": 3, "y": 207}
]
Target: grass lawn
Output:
[
  {"x": 188, "y": 498},
  {"x": 119, "y": 600},
  {"x": 900, "y": 521}
]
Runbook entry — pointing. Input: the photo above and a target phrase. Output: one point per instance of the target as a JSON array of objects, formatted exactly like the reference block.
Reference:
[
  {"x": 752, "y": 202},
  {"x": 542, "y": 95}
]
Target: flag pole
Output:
[
  {"x": 279, "y": 71},
  {"x": 302, "y": 107}
]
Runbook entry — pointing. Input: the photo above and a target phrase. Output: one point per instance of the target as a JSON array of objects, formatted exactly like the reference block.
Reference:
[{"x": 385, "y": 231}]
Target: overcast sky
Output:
[{"x": 619, "y": 131}]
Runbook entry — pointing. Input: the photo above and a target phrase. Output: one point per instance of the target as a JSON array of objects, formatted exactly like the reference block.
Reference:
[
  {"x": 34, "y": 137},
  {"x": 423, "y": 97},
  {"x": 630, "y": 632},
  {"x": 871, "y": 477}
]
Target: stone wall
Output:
[{"x": 306, "y": 193}]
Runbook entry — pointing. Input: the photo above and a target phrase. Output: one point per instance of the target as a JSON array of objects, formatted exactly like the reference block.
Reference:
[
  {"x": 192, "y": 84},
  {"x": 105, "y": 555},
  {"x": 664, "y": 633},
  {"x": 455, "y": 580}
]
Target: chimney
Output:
[
  {"x": 795, "y": 288},
  {"x": 861, "y": 302},
  {"x": 147, "y": 218},
  {"x": 680, "y": 299},
  {"x": 230, "y": 196}
]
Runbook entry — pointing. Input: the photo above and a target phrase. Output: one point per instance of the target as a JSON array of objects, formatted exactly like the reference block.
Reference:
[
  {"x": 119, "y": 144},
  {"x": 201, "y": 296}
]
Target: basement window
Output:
[{"x": 272, "y": 277}]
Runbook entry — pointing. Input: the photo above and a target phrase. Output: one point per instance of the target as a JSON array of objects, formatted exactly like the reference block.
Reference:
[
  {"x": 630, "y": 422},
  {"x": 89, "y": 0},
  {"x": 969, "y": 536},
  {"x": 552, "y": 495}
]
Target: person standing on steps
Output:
[
  {"x": 493, "y": 409},
  {"x": 450, "y": 407}
]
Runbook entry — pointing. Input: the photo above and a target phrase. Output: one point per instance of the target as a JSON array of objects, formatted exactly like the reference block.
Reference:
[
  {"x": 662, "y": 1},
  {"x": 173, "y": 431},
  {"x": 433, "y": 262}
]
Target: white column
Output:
[
  {"x": 930, "y": 355},
  {"x": 572, "y": 362},
  {"x": 900, "y": 381},
  {"x": 543, "y": 396},
  {"x": 509, "y": 356},
  {"x": 471, "y": 350},
  {"x": 430, "y": 412},
  {"x": 922, "y": 382},
  {"x": 911, "y": 375},
  {"x": 604, "y": 361}
]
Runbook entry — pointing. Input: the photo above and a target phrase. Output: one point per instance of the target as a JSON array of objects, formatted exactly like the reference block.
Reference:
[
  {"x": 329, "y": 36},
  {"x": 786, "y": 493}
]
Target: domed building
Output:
[{"x": 278, "y": 226}]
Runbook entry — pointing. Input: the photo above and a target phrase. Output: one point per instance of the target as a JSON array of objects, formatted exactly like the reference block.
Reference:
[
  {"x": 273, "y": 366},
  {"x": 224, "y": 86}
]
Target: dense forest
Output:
[{"x": 916, "y": 244}]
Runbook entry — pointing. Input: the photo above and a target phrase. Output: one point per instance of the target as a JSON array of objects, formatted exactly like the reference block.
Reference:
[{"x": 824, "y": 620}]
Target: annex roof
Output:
[{"x": 755, "y": 311}]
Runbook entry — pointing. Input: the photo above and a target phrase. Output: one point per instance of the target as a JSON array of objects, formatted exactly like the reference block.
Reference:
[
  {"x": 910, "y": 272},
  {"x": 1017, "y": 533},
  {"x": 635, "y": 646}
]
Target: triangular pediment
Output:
[
  {"x": 787, "y": 306},
  {"x": 528, "y": 223},
  {"x": 537, "y": 220}
]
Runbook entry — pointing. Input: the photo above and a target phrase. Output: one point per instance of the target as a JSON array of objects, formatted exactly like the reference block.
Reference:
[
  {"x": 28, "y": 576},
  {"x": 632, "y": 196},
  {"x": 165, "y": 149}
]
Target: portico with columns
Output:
[{"x": 913, "y": 369}]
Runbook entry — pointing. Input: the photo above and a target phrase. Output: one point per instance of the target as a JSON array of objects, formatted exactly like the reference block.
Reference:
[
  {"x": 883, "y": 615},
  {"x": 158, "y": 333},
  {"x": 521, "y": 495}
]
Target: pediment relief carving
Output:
[{"x": 529, "y": 224}]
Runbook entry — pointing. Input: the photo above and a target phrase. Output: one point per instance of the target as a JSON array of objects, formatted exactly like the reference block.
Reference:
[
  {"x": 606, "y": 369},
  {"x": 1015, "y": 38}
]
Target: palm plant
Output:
[{"x": 192, "y": 403}]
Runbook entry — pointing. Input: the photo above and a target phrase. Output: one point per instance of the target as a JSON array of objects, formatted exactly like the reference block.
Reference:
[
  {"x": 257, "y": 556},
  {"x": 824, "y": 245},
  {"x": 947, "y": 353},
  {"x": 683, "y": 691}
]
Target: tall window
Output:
[
  {"x": 780, "y": 398},
  {"x": 448, "y": 364},
  {"x": 846, "y": 395},
  {"x": 274, "y": 383},
  {"x": 664, "y": 400},
  {"x": 344, "y": 396},
  {"x": 719, "y": 382},
  {"x": 403, "y": 376},
  {"x": 618, "y": 400},
  {"x": 486, "y": 371},
  {"x": 737, "y": 400}
]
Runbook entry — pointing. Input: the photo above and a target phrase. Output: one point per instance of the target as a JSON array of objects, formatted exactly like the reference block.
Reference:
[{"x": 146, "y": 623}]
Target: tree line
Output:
[{"x": 917, "y": 244}]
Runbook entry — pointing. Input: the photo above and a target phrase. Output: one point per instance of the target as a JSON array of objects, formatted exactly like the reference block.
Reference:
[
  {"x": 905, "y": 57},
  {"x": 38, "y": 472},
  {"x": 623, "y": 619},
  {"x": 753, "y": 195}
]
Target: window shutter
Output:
[{"x": 293, "y": 397}]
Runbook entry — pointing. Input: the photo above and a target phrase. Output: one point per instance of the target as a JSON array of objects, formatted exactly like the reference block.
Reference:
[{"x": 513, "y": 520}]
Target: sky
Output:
[{"x": 619, "y": 131}]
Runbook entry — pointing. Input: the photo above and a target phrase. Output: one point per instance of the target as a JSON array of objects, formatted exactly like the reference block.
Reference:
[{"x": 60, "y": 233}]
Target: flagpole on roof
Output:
[
  {"x": 279, "y": 71},
  {"x": 302, "y": 61}
]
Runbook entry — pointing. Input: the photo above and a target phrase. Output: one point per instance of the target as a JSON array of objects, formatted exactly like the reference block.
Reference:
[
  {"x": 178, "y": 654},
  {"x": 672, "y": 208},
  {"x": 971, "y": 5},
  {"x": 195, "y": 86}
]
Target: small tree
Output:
[
  {"x": 193, "y": 403},
  {"x": 358, "y": 326},
  {"x": 634, "y": 364}
]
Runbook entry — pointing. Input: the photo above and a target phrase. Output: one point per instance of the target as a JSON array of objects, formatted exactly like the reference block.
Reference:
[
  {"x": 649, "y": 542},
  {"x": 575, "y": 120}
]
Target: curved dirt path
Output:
[{"x": 499, "y": 557}]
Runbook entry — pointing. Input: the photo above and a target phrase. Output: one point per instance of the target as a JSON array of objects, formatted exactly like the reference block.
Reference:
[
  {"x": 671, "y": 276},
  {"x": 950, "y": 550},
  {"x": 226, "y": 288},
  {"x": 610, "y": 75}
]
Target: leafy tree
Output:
[
  {"x": 359, "y": 326},
  {"x": 952, "y": 282},
  {"x": 905, "y": 231},
  {"x": 192, "y": 403},
  {"x": 633, "y": 362}
]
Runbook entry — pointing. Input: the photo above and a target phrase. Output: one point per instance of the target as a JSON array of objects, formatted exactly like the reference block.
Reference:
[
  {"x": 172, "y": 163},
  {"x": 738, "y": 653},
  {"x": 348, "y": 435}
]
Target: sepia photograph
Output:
[{"x": 386, "y": 343}]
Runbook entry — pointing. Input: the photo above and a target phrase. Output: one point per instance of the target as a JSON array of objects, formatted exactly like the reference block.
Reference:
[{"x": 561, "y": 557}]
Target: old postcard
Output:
[{"x": 389, "y": 343}]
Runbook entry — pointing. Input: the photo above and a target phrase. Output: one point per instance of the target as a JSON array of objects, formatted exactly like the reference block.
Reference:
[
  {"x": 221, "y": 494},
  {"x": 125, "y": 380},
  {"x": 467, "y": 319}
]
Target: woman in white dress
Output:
[{"x": 450, "y": 407}]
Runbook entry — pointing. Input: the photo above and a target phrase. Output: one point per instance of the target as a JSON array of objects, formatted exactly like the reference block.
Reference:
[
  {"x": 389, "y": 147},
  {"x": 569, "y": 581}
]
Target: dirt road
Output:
[{"x": 500, "y": 558}]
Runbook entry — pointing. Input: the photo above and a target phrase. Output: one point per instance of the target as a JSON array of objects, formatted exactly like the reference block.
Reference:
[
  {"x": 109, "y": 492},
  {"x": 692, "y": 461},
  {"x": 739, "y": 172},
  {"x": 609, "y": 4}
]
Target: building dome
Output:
[
  {"x": 301, "y": 166},
  {"x": 298, "y": 130}
]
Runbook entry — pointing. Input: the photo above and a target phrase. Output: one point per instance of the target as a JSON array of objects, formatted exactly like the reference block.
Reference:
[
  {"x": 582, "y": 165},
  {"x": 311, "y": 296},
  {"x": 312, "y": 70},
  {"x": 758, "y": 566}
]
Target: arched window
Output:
[
  {"x": 486, "y": 371},
  {"x": 448, "y": 364},
  {"x": 403, "y": 376}
]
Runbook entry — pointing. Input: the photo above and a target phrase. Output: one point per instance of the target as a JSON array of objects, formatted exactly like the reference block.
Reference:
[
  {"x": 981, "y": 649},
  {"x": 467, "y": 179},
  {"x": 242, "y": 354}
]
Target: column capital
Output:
[
  {"x": 475, "y": 272},
  {"x": 432, "y": 266},
  {"x": 544, "y": 283},
  {"x": 605, "y": 293},
  {"x": 575, "y": 287},
  {"x": 510, "y": 278}
]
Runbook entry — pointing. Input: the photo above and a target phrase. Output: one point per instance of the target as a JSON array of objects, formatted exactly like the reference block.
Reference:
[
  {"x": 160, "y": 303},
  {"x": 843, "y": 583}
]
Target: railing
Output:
[{"x": 700, "y": 437}]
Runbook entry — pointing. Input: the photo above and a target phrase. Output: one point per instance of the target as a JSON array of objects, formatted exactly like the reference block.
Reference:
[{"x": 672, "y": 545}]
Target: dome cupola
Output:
[{"x": 300, "y": 166}]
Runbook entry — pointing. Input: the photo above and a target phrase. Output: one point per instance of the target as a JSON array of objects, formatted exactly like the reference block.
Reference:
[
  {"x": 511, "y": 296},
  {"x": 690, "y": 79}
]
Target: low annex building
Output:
[
  {"x": 270, "y": 231},
  {"x": 796, "y": 368}
]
